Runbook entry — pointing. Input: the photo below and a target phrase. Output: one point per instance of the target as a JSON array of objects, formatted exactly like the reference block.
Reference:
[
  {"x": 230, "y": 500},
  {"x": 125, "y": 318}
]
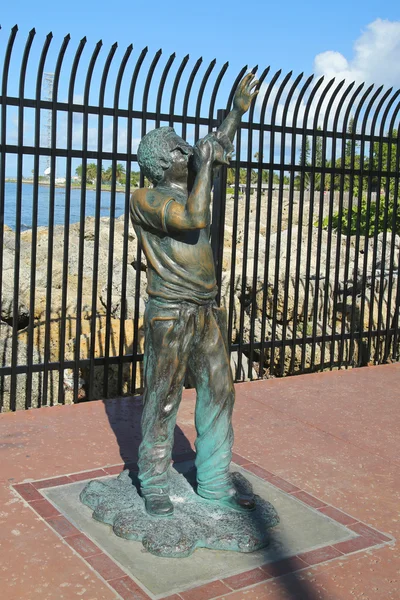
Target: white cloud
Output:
[{"x": 375, "y": 59}]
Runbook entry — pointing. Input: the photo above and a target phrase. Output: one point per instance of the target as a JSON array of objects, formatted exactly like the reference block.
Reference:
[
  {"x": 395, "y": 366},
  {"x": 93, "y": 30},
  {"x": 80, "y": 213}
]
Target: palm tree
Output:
[
  {"x": 91, "y": 173},
  {"x": 119, "y": 173}
]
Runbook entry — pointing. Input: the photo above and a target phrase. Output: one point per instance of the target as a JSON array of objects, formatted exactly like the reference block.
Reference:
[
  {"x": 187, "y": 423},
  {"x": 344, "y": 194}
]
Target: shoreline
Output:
[{"x": 89, "y": 187}]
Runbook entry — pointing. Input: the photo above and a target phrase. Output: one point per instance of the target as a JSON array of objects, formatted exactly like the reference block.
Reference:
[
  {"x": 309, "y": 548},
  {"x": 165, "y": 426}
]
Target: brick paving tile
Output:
[
  {"x": 240, "y": 460},
  {"x": 308, "y": 499},
  {"x": 62, "y": 526},
  {"x": 314, "y": 557},
  {"x": 337, "y": 515},
  {"x": 82, "y": 545},
  {"x": 284, "y": 485},
  {"x": 128, "y": 589},
  {"x": 260, "y": 472},
  {"x": 173, "y": 597},
  {"x": 236, "y": 582},
  {"x": 88, "y": 475},
  {"x": 281, "y": 567},
  {"x": 358, "y": 543},
  {"x": 105, "y": 567},
  {"x": 44, "y": 508},
  {"x": 206, "y": 592},
  {"x": 28, "y": 492},
  {"x": 114, "y": 470},
  {"x": 368, "y": 532},
  {"x": 46, "y": 483}
]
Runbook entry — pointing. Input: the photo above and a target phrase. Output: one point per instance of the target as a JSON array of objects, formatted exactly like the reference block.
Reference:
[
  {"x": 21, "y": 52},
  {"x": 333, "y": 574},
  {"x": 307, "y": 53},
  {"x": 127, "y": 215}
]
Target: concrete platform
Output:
[
  {"x": 302, "y": 528},
  {"x": 330, "y": 440}
]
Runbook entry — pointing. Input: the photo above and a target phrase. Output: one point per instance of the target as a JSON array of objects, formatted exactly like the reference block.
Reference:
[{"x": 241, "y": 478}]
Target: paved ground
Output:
[{"x": 334, "y": 435}]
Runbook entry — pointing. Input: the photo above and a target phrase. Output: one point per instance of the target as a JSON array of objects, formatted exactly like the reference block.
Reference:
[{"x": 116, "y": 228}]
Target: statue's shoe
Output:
[
  {"x": 235, "y": 500},
  {"x": 158, "y": 505},
  {"x": 240, "y": 502}
]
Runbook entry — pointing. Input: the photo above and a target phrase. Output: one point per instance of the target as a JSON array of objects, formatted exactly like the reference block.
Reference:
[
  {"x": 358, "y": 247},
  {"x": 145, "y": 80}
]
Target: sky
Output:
[
  {"x": 347, "y": 39},
  {"x": 288, "y": 35}
]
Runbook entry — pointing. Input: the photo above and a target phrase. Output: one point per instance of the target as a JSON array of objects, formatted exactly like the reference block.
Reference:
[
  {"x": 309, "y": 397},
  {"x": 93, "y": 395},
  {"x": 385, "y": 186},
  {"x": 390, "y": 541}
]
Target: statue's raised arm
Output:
[{"x": 244, "y": 95}]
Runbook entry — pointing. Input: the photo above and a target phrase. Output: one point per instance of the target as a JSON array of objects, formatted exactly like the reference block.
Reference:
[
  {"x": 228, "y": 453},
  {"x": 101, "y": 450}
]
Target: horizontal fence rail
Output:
[{"x": 305, "y": 221}]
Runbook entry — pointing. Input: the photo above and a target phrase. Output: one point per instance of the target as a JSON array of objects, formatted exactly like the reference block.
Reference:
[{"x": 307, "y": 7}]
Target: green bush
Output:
[{"x": 366, "y": 224}]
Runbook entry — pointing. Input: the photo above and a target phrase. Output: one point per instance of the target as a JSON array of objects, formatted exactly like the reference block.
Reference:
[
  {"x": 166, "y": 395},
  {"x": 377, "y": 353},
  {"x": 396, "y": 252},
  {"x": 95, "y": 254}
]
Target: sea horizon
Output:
[{"x": 10, "y": 204}]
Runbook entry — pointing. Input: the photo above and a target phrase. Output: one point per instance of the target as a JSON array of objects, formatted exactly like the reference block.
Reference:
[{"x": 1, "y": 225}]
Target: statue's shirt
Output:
[{"x": 180, "y": 265}]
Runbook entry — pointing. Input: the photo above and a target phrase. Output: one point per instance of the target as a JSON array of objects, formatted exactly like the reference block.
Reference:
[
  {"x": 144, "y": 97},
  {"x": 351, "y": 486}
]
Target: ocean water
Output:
[{"x": 59, "y": 205}]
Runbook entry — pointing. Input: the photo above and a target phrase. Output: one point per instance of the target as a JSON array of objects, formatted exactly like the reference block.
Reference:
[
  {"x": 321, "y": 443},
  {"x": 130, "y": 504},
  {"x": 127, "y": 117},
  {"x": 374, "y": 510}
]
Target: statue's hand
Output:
[
  {"x": 203, "y": 153},
  {"x": 245, "y": 93},
  {"x": 223, "y": 148}
]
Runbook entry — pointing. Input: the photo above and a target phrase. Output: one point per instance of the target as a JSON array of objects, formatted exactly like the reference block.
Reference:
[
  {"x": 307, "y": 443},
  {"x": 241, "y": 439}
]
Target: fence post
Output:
[{"x": 218, "y": 215}]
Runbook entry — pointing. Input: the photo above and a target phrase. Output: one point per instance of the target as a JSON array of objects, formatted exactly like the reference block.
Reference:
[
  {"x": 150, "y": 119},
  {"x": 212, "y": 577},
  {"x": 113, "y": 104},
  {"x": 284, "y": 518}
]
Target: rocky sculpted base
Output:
[{"x": 196, "y": 523}]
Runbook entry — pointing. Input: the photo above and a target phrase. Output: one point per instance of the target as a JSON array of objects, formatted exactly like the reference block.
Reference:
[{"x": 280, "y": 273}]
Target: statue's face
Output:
[{"x": 180, "y": 151}]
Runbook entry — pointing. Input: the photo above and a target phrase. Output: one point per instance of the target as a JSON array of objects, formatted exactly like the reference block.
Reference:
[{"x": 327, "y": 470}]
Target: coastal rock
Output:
[
  {"x": 130, "y": 292},
  {"x": 8, "y": 302},
  {"x": 110, "y": 337}
]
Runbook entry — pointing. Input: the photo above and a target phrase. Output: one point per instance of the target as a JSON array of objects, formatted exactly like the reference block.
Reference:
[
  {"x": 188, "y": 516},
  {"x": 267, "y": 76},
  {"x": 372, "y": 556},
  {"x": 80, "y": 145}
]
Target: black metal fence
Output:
[{"x": 303, "y": 232}]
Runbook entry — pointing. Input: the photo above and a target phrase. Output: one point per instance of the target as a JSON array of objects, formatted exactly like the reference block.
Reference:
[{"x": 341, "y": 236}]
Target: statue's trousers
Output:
[{"x": 181, "y": 337}]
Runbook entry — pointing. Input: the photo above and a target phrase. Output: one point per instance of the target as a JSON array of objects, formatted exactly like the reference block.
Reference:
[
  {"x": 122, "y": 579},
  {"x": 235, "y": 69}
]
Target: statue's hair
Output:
[{"x": 154, "y": 154}]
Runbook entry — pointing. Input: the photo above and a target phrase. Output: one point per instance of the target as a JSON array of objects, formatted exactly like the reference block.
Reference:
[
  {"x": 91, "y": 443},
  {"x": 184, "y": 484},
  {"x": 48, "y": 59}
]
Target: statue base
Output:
[{"x": 196, "y": 522}]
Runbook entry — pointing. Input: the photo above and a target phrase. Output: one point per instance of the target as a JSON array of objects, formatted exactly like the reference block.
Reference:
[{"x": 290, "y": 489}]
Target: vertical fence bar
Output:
[
  {"x": 264, "y": 106},
  {"x": 139, "y": 250},
  {"x": 68, "y": 175},
  {"x": 280, "y": 209},
  {"x": 17, "y": 251},
  {"x": 363, "y": 291},
  {"x": 50, "y": 230},
  {"x": 376, "y": 222},
  {"x": 395, "y": 322},
  {"x": 383, "y": 277},
  {"x": 200, "y": 99},
  {"x": 111, "y": 229},
  {"x": 189, "y": 86},
  {"x": 82, "y": 215},
  {"x": 219, "y": 192},
  {"x": 3, "y": 139},
  {"x": 339, "y": 233},
  {"x": 330, "y": 233},
  {"x": 218, "y": 216},
  {"x": 232, "y": 282},
  {"x": 100, "y": 130},
  {"x": 175, "y": 89},
  {"x": 290, "y": 222},
  {"x": 320, "y": 227},
  {"x": 307, "y": 280},
  {"x": 354, "y": 319},
  {"x": 161, "y": 88},
  {"x": 126, "y": 212},
  {"x": 35, "y": 203},
  {"x": 254, "y": 308},
  {"x": 303, "y": 169},
  {"x": 395, "y": 223}
]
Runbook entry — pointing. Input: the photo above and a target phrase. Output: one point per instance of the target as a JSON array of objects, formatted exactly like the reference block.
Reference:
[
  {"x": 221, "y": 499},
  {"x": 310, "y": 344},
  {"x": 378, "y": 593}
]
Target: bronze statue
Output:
[{"x": 185, "y": 330}]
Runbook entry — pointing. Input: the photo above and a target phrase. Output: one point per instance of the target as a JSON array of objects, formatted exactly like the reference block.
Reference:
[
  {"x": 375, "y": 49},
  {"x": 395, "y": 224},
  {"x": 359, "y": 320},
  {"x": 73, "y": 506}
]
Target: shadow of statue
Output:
[{"x": 124, "y": 416}]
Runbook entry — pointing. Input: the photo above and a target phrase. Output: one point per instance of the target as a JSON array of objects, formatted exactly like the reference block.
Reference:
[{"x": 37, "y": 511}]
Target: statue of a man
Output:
[{"x": 185, "y": 330}]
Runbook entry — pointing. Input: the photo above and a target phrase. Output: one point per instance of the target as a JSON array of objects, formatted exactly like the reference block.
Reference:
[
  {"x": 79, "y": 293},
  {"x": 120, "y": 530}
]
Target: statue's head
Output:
[{"x": 156, "y": 152}]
